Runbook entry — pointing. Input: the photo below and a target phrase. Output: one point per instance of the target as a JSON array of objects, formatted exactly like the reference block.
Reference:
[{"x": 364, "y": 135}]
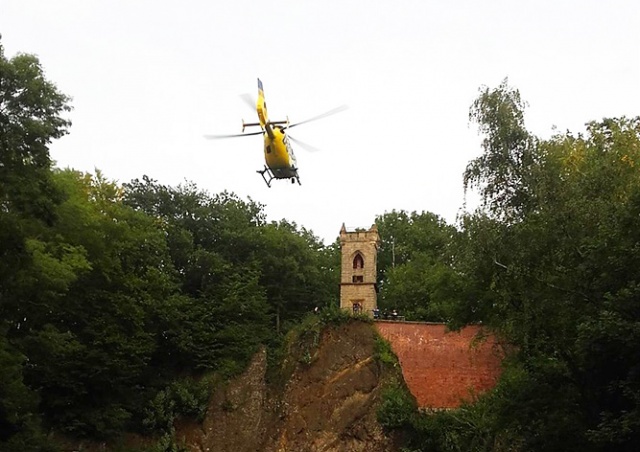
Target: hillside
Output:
[{"x": 328, "y": 403}]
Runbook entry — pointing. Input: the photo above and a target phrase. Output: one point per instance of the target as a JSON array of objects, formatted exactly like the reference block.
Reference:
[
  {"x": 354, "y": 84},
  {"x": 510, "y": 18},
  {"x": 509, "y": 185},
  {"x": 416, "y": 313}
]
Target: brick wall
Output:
[{"x": 442, "y": 368}]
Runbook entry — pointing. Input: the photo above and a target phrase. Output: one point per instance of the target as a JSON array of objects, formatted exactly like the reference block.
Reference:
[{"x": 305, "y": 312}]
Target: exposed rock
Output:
[{"x": 328, "y": 404}]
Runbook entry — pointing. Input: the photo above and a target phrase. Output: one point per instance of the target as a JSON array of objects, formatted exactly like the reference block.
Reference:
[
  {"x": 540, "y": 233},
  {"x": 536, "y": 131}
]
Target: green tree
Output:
[
  {"x": 297, "y": 271},
  {"x": 30, "y": 117},
  {"x": 31, "y": 109},
  {"x": 504, "y": 171},
  {"x": 415, "y": 265},
  {"x": 404, "y": 234},
  {"x": 223, "y": 315},
  {"x": 90, "y": 330},
  {"x": 550, "y": 262}
]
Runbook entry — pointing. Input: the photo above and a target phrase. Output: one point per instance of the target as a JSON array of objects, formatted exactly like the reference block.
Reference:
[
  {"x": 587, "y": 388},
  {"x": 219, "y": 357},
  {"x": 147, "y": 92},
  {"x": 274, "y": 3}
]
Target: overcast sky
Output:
[{"x": 149, "y": 78}]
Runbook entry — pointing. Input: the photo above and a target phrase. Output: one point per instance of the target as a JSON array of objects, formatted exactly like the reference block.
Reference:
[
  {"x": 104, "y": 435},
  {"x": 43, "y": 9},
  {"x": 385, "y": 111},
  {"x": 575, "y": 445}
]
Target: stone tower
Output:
[{"x": 358, "y": 288}]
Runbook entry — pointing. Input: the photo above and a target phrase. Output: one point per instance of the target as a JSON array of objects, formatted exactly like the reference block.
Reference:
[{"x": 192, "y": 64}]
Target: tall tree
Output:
[
  {"x": 31, "y": 109},
  {"x": 31, "y": 115},
  {"x": 551, "y": 263},
  {"x": 504, "y": 170}
]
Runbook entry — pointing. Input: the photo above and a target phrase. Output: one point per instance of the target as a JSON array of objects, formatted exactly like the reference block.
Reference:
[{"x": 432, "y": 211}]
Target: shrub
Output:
[
  {"x": 383, "y": 353},
  {"x": 397, "y": 409},
  {"x": 183, "y": 398}
]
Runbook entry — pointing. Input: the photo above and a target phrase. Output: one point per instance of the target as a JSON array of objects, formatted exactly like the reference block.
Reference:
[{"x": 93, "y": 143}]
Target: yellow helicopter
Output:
[{"x": 280, "y": 161}]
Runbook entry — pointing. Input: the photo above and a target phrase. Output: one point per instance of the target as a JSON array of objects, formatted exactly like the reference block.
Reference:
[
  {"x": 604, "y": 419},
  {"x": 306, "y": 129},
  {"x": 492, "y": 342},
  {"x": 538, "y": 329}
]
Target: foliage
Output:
[
  {"x": 334, "y": 315},
  {"x": 551, "y": 262},
  {"x": 299, "y": 273},
  {"x": 122, "y": 302},
  {"x": 31, "y": 109},
  {"x": 292, "y": 269},
  {"x": 185, "y": 398},
  {"x": 415, "y": 265},
  {"x": 507, "y": 166},
  {"x": 383, "y": 352},
  {"x": 398, "y": 407},
  {"x": 165, "y": 443},
  {"x": 463, "y": 429},
  {"x": 20, "y": 428}
]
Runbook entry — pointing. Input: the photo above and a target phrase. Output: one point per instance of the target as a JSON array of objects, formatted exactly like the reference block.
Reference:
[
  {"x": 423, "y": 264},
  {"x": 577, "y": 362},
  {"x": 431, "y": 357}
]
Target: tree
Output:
[
  {"x": 213, "y": 237},
  {"x": 30, "y": 117},
  {"x": 504, "y": 170},
  {"x": 551, "y": 264},
  {"x": 31, "y": 109},
  {"x": 298, "y": 273},
  {"x": 90, "y": 328},
  {"x": 222, "y": 316},
  {"x": 415, "y": 265}
]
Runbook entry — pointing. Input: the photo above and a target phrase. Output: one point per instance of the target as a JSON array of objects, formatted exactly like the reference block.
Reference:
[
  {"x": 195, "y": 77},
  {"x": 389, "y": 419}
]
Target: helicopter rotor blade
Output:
[
  {"x": 249, "y": 100},
  {"x": 323, "y": 115},
  {"x": 303, "y": 145},
  {"x": 218, "y": 137}
]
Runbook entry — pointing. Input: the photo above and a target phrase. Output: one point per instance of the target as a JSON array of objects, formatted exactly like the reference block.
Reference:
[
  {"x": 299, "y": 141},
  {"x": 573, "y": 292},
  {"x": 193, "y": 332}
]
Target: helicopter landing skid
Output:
[
  {"x": 269, "y": 173},
  {"x": 270, "y": 176}
]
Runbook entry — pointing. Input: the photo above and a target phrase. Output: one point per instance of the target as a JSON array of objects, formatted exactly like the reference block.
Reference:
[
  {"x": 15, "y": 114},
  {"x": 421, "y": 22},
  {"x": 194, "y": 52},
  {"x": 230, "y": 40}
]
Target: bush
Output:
[
  {"x": 184, "y": 398},
  {"x": 383, "y": 353},
  {"x": 333, "y": 315},
  {"x": 398, "y": 408}
]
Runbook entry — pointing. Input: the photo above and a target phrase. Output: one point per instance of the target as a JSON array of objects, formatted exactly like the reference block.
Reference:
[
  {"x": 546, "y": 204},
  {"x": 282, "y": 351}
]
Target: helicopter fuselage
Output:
[{"x": 278, "y": 154}]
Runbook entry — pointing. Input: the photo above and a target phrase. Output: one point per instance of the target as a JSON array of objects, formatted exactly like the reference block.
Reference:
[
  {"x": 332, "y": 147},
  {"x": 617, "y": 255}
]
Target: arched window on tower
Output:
[{"x": 358, "y": 261}]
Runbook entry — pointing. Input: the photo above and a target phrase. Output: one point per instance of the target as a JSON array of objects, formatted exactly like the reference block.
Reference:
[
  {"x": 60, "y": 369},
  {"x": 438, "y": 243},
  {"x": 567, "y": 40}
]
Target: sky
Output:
[{"x": 149, "y": 78}]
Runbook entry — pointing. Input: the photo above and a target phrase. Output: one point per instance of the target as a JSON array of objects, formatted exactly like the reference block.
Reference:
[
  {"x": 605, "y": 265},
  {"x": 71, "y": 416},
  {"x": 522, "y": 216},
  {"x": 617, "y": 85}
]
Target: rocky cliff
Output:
[{"x": 328, "y": 402}]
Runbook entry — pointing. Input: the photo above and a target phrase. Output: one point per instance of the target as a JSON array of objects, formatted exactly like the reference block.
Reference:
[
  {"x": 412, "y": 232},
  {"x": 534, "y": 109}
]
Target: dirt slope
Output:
[{"x": 328, "y": 404}]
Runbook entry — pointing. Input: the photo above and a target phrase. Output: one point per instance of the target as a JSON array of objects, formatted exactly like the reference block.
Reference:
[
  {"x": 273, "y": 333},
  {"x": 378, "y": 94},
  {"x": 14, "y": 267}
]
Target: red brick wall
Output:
[{"x": 442, "y": 368}]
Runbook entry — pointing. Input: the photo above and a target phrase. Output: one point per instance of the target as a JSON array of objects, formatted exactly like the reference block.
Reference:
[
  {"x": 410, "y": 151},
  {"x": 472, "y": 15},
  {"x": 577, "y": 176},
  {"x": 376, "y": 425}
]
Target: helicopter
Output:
[{"x": 280, "y": 161}]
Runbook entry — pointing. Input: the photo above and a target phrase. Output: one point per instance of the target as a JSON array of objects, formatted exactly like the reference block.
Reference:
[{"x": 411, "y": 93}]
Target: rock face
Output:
[
  {"x": 328, "y": 404},
  {"x": 236, "y": 415}
]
